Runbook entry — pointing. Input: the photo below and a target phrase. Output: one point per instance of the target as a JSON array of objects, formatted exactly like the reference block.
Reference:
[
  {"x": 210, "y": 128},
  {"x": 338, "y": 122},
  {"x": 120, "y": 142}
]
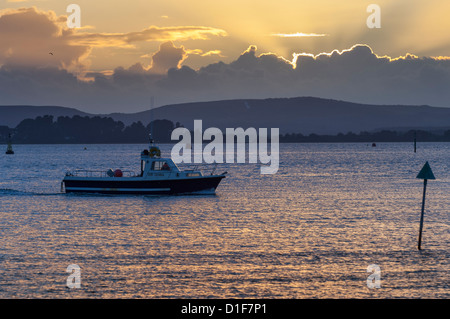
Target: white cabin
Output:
[{"x": 153, "y": 166}]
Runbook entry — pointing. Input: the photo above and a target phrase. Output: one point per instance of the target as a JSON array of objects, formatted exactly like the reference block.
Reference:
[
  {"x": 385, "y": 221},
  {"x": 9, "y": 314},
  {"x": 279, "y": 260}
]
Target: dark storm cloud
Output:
[{"x": 357, "y": 74}]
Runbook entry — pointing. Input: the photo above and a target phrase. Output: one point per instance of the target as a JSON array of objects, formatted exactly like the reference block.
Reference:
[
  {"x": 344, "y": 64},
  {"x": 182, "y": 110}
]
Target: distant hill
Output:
[
  {"x": 292, "y": 115},
  {"x": 300, "y": 115}
]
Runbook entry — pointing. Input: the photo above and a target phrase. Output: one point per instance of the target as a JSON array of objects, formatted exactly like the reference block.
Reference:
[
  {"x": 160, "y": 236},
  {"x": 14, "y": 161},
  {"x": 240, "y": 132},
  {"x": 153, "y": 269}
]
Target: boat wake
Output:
[{"x": 14, "y": 192}]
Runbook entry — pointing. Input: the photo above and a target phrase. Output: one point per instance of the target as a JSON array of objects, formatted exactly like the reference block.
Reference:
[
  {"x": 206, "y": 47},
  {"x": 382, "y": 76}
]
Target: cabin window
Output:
[
  {"x": 160, "y": 166},
  {"x": 192, "y": 174}
]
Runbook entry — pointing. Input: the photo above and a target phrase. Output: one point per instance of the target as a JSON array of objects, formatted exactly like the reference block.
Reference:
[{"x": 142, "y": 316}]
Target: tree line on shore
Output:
[
  {"x": 103, "y": 130},
  {"x": 86, "y": 130}
]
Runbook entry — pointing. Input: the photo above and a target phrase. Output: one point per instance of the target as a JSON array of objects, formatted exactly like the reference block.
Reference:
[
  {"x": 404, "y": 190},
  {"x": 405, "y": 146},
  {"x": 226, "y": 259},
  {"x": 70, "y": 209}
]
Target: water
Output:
[{"x": 309, "y": 231}]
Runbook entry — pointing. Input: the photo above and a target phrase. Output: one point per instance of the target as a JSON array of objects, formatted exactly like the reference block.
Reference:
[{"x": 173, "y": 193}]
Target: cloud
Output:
[
  {"x": 213, "y": 52},
  {"x": 44, "y": 34},
  {"x": 167, "y": 57},
  {"x": 152, "y": 33},
  {"x": 31, "y": 37},
  {"x": 204, "y": 54},
  {"x": 356, "y": 74},
  {"x": 298, "y": 35},
  {"x": 444, "y": 58}
]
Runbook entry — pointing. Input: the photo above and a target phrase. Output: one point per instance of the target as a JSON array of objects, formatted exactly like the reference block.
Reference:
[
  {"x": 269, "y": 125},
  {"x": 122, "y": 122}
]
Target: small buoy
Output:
[
  {"x": 118, "y": 173},
  {"x": 374, "y": 145},
  {"x": 9, "y": 150}
]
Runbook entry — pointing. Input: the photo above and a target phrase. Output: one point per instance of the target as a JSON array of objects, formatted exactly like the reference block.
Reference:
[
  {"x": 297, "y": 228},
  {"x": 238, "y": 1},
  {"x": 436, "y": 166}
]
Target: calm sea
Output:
[{"x": 309, "y": 231}]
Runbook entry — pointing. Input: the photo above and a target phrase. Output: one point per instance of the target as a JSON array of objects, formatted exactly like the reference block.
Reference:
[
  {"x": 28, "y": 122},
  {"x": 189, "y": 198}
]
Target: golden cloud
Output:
[
  {"x": 204, "y": 54},
  {"x": 41, "y": 38},
  {"x": 37, "y": 38},
  {"x": 441, "y": 58},
  {"x": 298, "y": 35},
  {"x": 152, "y": 33}
]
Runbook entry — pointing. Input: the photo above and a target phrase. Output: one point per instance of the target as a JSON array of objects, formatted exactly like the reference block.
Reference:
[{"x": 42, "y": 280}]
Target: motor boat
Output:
[{"x": 157, "y": 176}]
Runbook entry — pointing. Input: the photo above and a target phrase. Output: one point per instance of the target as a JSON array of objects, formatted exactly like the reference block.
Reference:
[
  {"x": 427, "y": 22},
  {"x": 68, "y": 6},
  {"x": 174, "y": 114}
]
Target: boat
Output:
[
  {"x": 158, "y": 176},
  {"x": 9, "y": 149}
]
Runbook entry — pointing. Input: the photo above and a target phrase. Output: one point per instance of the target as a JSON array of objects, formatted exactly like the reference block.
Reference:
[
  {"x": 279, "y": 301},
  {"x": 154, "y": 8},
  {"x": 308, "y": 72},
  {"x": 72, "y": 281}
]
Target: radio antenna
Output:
[{"x": 152, "y": 104}]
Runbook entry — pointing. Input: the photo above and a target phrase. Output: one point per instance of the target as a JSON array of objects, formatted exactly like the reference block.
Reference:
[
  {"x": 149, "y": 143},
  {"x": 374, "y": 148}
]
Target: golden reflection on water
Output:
[{"x": 310, "y": 231}]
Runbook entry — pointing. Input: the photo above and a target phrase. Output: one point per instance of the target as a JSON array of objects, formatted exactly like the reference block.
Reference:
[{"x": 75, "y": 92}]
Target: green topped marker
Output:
[{"x": 425, "y": 173}]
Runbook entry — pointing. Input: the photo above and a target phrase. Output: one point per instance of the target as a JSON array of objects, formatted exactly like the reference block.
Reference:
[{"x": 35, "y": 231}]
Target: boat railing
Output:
[
  {"x": 205, "y": 168},
  {"x": 98, "y": 173}
]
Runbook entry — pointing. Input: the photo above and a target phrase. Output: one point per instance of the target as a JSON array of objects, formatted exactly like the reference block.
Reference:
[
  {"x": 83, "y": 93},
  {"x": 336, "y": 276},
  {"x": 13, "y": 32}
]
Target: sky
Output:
[{"x": 127, "y": 56}]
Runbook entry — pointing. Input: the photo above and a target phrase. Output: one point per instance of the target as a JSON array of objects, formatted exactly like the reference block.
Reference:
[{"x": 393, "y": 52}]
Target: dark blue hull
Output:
[{"x": 157, "y": 187}]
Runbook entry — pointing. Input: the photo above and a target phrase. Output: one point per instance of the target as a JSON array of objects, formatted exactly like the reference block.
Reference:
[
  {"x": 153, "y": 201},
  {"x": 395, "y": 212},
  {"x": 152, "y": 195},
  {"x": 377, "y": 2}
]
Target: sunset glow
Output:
[
  {"x": 155, "y": 36},
  {"x": 225, "y": 158},
  {"x": 298, "y": 35}
]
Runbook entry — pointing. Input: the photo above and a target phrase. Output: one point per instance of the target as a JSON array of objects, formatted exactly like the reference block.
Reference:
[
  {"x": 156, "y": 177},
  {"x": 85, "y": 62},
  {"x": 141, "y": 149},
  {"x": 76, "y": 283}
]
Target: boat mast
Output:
[{"x": 152, "y": 103}]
